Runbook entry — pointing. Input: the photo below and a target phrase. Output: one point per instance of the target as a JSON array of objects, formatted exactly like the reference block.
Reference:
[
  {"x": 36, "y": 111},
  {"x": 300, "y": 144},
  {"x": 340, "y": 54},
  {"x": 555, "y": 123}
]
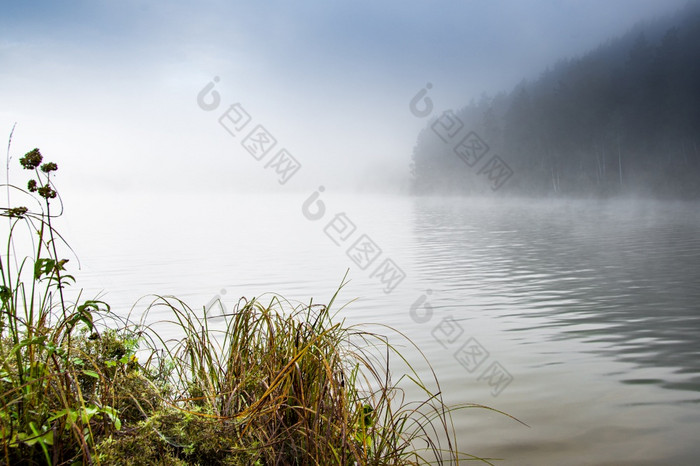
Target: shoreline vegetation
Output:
[{"x": 268, "y": 383}]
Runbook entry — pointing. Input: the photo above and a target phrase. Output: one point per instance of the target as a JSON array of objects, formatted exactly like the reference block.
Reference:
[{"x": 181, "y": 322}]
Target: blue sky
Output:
[{"x": 108, "y": 89}]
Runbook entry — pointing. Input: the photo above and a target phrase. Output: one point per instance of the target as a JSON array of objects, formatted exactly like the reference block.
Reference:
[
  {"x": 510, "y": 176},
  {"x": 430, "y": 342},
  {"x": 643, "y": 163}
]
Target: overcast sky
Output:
[{"x": 109, "y": 89}]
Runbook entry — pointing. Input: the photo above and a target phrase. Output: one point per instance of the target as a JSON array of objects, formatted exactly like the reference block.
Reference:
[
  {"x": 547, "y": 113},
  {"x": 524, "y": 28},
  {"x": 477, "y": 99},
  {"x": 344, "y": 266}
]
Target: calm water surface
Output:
[{"x": 589, "y": 311}]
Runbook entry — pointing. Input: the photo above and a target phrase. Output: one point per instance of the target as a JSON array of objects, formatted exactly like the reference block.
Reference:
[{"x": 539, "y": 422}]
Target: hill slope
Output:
[{"x": 622, "y": 119}]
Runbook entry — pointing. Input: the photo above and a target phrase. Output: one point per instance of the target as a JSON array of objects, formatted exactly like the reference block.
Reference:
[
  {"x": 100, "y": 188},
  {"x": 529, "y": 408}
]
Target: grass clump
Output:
[{"x": 274, "y": 383}]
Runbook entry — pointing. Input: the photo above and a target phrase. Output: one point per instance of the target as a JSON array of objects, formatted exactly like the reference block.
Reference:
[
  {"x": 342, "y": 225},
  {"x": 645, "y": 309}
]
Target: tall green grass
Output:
[{"x": 268, "y": 383}]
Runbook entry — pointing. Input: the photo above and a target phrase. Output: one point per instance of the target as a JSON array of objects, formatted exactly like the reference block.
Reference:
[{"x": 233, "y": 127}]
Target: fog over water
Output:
[
  {"x": 526, "y": 174},
  {"x": 110, "y": 89},
  {"x": 590, "y": 307}
]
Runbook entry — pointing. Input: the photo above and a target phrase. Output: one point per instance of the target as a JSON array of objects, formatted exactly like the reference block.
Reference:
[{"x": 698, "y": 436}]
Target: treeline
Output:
[{"x": 622, "y": 119}]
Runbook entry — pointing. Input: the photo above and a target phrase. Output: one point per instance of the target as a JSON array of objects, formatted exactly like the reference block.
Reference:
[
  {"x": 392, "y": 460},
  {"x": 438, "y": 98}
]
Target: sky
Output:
[{"x": 109, "y": 90}]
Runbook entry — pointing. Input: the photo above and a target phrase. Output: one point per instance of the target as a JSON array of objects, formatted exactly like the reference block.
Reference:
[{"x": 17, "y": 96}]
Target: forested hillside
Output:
[{"x": 621, "y": 119}]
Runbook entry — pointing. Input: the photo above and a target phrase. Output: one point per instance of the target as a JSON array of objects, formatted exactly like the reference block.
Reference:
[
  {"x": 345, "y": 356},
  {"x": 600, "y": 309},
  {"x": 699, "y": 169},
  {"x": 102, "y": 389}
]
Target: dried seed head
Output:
[
  {"x": 49, "y": 167},
  {"x": 46, "y": 192},
  {"x": 31, "y": 159},
  {"x": 16, "y": 212}
]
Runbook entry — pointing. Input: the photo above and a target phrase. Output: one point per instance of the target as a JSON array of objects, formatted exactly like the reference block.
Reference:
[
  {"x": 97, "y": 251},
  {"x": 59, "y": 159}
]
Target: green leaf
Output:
[
  {"x": 5, "y": 294},
  {"x": 91, "y": 373},
  {"x": 60, "y": 413},
  {"x": 71, "y": 415},
  {"x": 60, "y": 264},
  {"x": 85, "y": 311},
  {"x": 112, "y": 413},
  {"x": 18, "y": 437},
  {"x": 88, "y": 413},
  {"x": 43, "y": 267},
  {"x": 38, "y": 437},
  {"x": 38, "y": 341}
]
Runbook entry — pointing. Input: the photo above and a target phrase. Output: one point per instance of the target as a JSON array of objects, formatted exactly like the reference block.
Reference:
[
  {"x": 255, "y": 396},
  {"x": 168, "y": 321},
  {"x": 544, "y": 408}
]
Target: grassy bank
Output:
[{"x": 268, "y": 383}]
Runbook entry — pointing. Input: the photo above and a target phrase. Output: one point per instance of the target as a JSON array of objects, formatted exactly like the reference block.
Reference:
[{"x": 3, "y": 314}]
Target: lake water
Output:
[{"x": 581, "y": 318}]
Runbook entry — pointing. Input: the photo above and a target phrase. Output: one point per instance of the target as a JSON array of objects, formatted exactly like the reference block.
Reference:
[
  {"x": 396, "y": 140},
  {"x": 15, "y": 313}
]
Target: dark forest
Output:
[{"x": 623, "y": 119}]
